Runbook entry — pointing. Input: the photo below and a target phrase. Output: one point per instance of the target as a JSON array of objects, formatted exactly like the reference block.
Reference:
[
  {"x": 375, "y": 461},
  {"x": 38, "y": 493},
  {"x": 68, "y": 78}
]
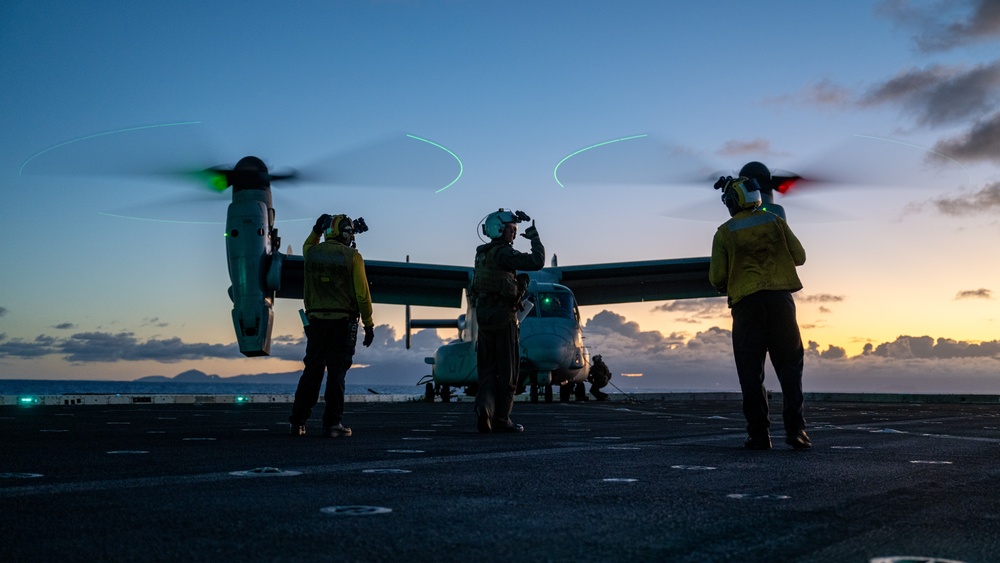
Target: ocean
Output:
[{"x": 69, "y": 387}]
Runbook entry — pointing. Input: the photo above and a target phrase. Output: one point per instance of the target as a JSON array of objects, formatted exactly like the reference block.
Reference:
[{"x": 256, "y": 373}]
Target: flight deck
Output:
[{"x": 646, "y": 478}]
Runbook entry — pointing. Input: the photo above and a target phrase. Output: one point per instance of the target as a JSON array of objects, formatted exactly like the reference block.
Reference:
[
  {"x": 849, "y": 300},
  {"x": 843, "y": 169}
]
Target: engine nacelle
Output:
[{"x": 248, "y": 248}]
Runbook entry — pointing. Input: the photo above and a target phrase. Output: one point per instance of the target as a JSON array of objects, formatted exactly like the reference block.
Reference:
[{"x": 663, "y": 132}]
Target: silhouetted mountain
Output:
[
  {"x": 189, "y": 376},
  {"x": 196, "y": 376}
]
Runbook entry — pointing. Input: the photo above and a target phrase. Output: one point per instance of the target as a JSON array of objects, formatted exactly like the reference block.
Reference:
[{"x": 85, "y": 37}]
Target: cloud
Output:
[
  {"x": 87, "y": 347},
  {"x": 388, "y": 361},
  {"x": 64, "y": 326},
  {"x": 678, "y": 361},
  {"x": 980, "y": 293},
  {"x": 823, "y": 93},
  {"x": 831, "y": 353},
  {"x": 18, "y": 348},
  {"x": 739, "y": 148},
  {"x": 701, "y": 362},
  {"x": 819, "y": 298},
  {"x": 940, "y": 94},
  {"x": 945, "y": 25},
  {"x": 925, "y": 347},
  {"x": 694, "y": 309},
  {"x": 986, "y": 200},
  {"x": 3, "y": 311},
  {"x": 980, "y": 143},
  {"x": 155, "y": 321}
]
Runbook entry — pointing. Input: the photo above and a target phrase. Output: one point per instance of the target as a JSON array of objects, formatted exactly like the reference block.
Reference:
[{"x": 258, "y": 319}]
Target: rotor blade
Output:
[
  {"x": 878, "y": 162},
  {"x": 635, "y": 159},
  {"x": 397, "y": 161},
  {"x": 185, "y": 207},
  {"x": 139, "y": 150},
  {"x": 149, "y": 155},
  {"x": 799, "y": 212}
]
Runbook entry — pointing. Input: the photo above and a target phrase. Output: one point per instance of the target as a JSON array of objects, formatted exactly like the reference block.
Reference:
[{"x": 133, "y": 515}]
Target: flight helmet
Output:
[
  {"x": 494, "y": 224},
  {"x": 340, "y": 227},
  {"x": 739, "y": 194}
]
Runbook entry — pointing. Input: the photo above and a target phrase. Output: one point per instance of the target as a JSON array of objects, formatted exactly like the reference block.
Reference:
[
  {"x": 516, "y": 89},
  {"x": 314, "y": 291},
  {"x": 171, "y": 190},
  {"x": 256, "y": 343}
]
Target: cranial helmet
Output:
[
  {"x": 747, "y": 193},
  {"x": 495, "y": 222},
  {"x": 341, "y": 226},
  {"x": 740, "y": 194}
]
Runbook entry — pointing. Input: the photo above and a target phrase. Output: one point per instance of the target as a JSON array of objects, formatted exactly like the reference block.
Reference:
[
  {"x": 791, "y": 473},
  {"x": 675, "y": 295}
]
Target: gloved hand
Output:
[
  {"x": 531, "y": 233},
  {"x": 318, "y": 228},
  {"x": 369, "y": 336}
]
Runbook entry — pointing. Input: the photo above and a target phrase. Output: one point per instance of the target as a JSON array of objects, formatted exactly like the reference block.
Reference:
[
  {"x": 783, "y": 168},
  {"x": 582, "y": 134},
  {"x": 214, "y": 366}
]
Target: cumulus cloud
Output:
[
  {"x": 944, "y": 25},
  {"x": 831, "y": 353},
  {"x": 701, "y": 362},
  {"x": 678, "y": 361},
  {"x": 64, "y": 326},
  {"x": 981, "y": 293},
  {"x": 3, "y": 311},
  {"x": 925, "y": 347}
]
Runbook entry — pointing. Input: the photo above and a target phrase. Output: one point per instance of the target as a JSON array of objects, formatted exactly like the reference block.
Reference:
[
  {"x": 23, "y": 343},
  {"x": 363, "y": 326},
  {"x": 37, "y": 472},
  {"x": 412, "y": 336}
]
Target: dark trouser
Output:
[
  {"x": 327, "y": 349},
  {"x": 497, "y": 363},
  {"x": 764, "y": 323}
]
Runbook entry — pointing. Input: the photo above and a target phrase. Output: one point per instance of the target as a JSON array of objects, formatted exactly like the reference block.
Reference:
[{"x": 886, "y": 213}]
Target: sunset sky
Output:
[{"x": 113, "y": 272}]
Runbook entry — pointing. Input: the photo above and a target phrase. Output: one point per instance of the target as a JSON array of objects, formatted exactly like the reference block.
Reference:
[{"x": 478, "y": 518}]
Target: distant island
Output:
[{"x": 196, "y": 376}]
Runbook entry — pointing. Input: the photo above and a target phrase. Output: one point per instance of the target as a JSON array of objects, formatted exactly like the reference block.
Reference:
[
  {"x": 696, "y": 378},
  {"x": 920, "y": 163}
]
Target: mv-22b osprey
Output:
[{"x": 552, "y": 350}]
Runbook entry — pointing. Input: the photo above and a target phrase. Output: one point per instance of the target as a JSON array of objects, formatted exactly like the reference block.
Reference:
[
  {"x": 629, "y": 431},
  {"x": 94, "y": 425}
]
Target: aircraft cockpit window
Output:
[{"x": 556, "y": 305}]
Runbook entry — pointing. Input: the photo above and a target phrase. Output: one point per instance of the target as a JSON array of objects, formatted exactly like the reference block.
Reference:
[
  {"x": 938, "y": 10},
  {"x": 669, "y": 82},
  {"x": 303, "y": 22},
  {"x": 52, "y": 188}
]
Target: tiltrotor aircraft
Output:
[{"x": 552, "y": 349}]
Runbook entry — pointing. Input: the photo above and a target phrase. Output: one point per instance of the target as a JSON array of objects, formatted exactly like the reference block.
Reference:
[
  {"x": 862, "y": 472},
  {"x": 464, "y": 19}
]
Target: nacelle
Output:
[{"x": 248, "y": 248}]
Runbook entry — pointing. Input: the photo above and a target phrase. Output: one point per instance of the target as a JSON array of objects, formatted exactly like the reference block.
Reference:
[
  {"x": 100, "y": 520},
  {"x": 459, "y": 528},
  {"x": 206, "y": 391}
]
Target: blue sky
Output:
[{"x": 866, "y": 91}]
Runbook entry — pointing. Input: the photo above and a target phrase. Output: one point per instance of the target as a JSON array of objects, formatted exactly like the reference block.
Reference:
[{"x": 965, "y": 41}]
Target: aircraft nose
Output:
[{"x": 545, "y": 351}]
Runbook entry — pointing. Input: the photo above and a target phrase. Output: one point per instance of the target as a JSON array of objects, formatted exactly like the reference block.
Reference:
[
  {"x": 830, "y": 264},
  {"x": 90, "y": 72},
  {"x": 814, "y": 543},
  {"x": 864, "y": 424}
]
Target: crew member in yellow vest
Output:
[
  {"x": 754, "y": 256},
  {"x": 335, "y": 291}
]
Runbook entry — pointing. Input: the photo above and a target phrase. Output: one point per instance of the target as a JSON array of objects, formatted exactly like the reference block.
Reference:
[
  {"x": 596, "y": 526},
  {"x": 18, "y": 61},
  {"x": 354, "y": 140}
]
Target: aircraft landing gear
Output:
[
  {"x": 534, "y": 393},
  {"x": 443, "y": 391},
  {"x": 534, "y": 389}
]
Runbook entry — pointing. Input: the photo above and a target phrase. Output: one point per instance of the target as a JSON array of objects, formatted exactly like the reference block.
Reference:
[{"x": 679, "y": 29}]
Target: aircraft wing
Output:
[
  {"x": 394, "y": 283},
  {"x": 630, "y": 282}
]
